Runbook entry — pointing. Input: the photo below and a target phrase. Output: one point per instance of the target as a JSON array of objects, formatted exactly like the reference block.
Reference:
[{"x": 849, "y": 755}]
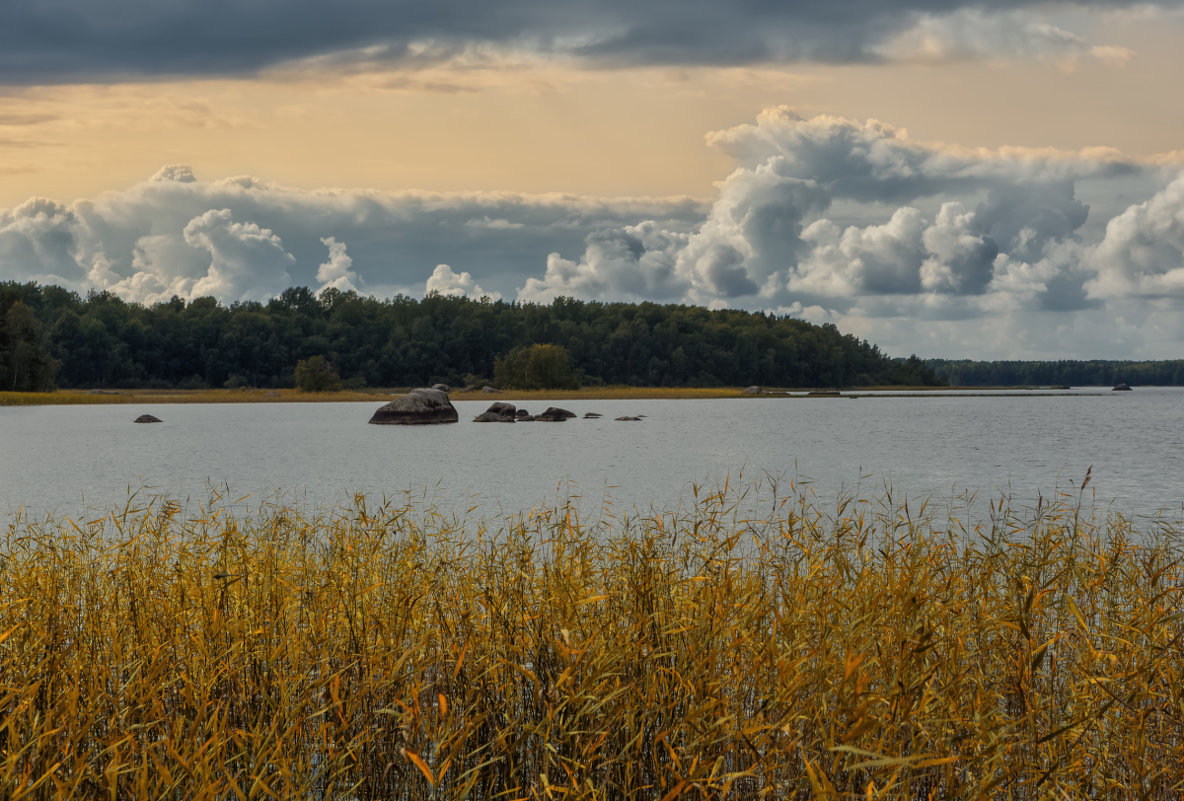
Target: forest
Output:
[
  {"x": 1092, "y": 373},
  {"x": 51, "y": 336}
]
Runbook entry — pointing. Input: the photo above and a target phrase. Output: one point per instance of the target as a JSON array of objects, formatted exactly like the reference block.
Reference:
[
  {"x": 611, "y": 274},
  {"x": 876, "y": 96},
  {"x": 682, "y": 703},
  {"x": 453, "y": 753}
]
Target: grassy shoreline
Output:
[
  {"x": 866, "y": 651},
  {"x": 72, "y": 397}
]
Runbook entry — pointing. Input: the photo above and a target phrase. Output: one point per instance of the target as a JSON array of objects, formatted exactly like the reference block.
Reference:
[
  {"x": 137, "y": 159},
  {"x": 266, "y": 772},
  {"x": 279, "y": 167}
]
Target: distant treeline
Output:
[
  {"x": 968, "y": 373},
  {"x": 50, "y": 335}
]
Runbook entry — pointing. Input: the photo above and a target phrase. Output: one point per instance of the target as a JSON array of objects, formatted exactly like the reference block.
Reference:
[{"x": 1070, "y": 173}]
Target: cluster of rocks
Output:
[
  {"x": 507, "y": 413},
  {"x": 430, "y": 406}
]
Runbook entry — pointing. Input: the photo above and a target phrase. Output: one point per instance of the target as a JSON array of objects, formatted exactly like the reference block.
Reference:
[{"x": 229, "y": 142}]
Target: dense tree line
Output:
[
  {"x": 1065, "y": 372},
  {"x": 48, "y": 333}
]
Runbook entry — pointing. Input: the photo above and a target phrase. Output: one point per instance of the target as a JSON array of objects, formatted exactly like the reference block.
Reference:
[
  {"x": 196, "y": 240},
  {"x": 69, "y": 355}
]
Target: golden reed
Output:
[{"x": 866, "y": 651}]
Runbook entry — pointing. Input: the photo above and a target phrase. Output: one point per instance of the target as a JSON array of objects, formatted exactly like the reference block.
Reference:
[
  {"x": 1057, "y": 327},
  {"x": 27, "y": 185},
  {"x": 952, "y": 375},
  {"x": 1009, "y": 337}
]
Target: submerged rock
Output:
[
  {"x": 418, "y": 407},
  {"x": 593, "y": 415},
  {"x": 628, "y": 419},
  {"x": 499, "y": 412},
  {"x": 554, "y": 414},
  {"x": 147, "y": 418}
]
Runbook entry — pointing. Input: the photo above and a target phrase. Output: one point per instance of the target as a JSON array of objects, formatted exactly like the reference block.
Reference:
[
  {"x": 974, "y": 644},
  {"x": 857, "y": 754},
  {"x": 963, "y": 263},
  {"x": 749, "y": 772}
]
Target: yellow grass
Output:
[
  {"x": 142, "y": 396},
  {"x": 603, "y": 393},
  {"x": 871, "y": 650}
]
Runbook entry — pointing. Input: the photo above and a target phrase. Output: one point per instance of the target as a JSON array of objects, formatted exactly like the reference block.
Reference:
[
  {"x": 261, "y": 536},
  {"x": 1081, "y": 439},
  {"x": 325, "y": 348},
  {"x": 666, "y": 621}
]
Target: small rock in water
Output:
[
  {"x": 497, "y": 413},
  {"x": 1124, "y": 387},
  {"x": 629, "y": 419},
  {"x": 592, "y": 415},
  {"x": 147, "y": 418},
  {"x": 555, "y": 415}
]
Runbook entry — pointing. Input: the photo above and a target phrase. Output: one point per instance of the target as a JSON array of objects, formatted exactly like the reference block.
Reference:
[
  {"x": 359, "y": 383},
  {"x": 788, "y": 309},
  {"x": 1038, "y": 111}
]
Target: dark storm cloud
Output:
[{"x": 45, "y": 41}]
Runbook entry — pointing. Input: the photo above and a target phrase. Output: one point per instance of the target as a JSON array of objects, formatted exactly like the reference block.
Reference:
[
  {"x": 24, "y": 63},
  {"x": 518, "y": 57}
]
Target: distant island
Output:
[{"x": 51, "y": 336}]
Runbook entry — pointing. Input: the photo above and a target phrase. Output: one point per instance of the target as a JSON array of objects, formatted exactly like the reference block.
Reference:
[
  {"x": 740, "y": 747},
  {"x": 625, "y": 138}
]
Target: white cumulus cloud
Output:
[
  {"x": 336, "y": 273},
  {"x": 1142, "y": 253},
  {"x": 917, "y": 245},
  {"x": 443, "y": 281}
]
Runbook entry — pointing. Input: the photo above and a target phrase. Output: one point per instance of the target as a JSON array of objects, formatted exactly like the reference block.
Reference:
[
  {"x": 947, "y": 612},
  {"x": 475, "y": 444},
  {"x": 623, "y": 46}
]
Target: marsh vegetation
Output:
[{"x": 771, "y": 648}]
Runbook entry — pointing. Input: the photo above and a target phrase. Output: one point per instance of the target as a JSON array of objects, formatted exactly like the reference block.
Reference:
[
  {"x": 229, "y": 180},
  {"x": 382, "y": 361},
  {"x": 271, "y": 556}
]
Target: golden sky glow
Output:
[{"x": 538, "y": 127}]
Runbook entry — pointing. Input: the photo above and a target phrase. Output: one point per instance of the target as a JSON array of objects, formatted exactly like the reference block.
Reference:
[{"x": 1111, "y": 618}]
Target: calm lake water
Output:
[{"x": 73, "y": 459}]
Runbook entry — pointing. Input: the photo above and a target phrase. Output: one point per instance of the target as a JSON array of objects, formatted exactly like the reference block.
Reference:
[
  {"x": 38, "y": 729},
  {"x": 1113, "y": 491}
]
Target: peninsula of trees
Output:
[{"x": 51, "y": 336}]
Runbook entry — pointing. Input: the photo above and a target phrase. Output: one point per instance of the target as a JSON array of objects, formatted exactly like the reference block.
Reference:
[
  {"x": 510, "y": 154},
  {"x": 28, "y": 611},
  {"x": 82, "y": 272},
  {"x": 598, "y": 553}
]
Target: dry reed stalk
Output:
[{"x": 872, "y": 651}]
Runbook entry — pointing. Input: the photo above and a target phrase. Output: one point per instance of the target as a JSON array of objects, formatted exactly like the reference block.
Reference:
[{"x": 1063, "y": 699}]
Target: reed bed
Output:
[
  {"x": 859, "y": 650},
  {"x": 60, "y": 398},
  {"x": 605, "y": 393},
  {"x": 74, "y": 397}
]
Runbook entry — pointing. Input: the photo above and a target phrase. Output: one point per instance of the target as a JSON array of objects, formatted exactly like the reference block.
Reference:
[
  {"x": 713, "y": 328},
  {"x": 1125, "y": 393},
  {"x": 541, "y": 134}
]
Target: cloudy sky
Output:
[{"x": 1001, "y": 179}]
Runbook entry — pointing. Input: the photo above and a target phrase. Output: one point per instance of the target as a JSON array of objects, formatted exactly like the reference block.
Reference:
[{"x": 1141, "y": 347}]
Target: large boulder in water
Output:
[
  {"x": 555, "y": 415},
  {"x": 417, "y": 408},
  {"x": 499, "y": 412}
]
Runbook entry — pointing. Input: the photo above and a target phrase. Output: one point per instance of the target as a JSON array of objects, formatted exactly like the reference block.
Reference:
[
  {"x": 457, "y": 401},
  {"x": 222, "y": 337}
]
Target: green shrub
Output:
[
  {"x": 536, "y": 367},
  {"x": 316, "y": 374}
]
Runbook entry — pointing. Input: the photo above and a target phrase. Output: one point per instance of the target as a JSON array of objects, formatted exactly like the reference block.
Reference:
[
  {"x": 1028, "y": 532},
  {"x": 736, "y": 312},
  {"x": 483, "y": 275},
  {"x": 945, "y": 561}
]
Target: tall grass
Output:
[
  {"x": 869, "y": 650},
  {"x": 75, "y": 397},
  {"x": 68, "y": 397}
]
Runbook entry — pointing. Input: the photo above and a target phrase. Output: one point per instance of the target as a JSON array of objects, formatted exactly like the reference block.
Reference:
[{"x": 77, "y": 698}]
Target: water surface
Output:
[{"x": 67, "y": 459}]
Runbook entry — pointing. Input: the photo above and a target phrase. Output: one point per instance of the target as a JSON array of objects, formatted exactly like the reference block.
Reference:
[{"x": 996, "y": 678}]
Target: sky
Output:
[{"x": 1001, "y": 179}]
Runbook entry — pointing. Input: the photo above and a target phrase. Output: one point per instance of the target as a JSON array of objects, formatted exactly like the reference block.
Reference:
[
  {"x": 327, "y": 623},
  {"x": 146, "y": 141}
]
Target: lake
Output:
[{"x": 80, "y": 459}]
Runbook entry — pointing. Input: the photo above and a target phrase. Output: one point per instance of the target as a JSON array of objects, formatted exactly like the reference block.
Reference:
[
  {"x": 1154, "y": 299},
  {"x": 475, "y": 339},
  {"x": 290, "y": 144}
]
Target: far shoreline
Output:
[{"x": 76, "y": 397}]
